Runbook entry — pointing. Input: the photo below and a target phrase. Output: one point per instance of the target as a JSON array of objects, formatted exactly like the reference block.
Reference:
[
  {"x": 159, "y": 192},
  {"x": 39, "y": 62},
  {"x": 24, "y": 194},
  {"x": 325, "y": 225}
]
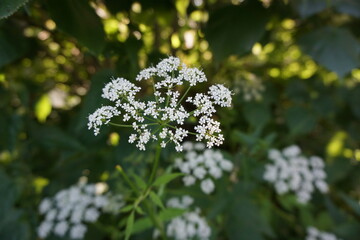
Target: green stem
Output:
[
  {"x": 155, "y": 220},
  {"x": 184, "y": 95},
  {"x": 155, "y": 164},
  {"x": 124, "y": 125},
  {"x": 170, "y": 126},
  {"x": 127, "y": 179}
]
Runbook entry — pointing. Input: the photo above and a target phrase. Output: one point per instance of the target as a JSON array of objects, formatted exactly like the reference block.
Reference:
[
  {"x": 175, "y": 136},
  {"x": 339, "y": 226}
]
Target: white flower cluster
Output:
[
  {"x": 163, "y": 117},
  {"x": 251, "y": 87},
  {"x": 291, "y": 171},
  {"x": 314, "y": 234},
  {"x": 203, "y": 165},
  {"x": 69, "y": 210},
  {"x": 188, "y": 226}
]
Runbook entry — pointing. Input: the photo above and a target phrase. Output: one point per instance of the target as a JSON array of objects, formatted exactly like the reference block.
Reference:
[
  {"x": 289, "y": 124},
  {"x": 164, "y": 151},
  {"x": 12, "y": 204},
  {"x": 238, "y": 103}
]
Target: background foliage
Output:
[{"x": 292, "y": 64}]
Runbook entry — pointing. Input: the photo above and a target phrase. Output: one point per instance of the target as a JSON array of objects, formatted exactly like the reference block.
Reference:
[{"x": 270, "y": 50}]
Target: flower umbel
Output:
[
  {"x": 290, "y": 171},
  {"x": 202, "y": 165},
  {"x": 163, "y": 117},
  {"x": 190, "y": 225},
  {"x": 70, "y": 209}
]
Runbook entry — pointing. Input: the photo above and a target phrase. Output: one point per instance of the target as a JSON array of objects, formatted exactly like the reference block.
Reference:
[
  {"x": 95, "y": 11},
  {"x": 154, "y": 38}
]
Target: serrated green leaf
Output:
[
  {"x": 79, "y": 20},
  {"x": 9, "y": 7},
  {"x": 156, "y": 199},
  {"x": 229, "y": 32},
  {"x": 129, "y": 225},
  {"x": 334, "y": 48},
  {"x": 164, "y": 179}
]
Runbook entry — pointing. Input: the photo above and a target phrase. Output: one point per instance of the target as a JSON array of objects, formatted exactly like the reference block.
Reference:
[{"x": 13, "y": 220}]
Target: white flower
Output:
[
  {"x": 290, "y": 171},
  {"x": 44, "y": 206},
  {"x": 207, "y": 186},
  {"x": 221, "y": 95},
  {"x": 202, "y": 165},
  {"x": 291, "y": 151},
  {"x": 163, "y": 116},
  {"x": 102, "y": 116},
  {"x": 190, "y": 225},
  {"x": 61, "y": 228},
  {"x": 91, "y": 215},
  {"x": 70, "y": 208},
  {"x": 315, "y": 234},
  {"x": 44, "y": 229},
  {"x": 78, "y": 231}
]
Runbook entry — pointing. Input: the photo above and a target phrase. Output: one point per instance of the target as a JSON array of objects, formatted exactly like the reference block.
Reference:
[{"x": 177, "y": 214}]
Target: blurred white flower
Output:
[
  {"x": 290, "y": 171},
  {"x": 70, "y": 208},
  {"x": 163, "y": 117},
  {"x": 202, "y": 165},
  {"x": 188, "y": 226},
  {"x": 315, "y": 234}
]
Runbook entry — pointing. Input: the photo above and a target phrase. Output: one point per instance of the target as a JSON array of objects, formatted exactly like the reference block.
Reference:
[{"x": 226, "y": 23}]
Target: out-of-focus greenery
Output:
[{"x": 292, "y": 64}]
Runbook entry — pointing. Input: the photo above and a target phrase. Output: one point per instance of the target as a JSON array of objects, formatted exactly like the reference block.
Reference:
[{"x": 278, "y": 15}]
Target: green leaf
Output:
[
  {"x": 354, "y": 205},
  {"x": 139, "y": 210},
  {"x": 257, "y": 113},
  {"x": 229, "y": 30},
  {"x": 300, "y": 120},
  {"x": 92, "y": 101},
  {"x": 165, "y": 215},
  {"x": 127, "y": 208},
  {"x": 139, "y": 182},
  {"x": 354, "y": 100},
  {"x": 13, "y": 44},
  {"x": 129, "y": 225},
  {"x": 351, "y": 7},
  {"x": 306, "y": 8},
  {"x": 9, "y": 7},
  {"x": 244, "y": 221},
  {"x": 79, "y": 20},
  {"x": 334, "y": 48},
  {"x": 156, "y": 199},
  {"x": 164, "y": 179},
  {"x": 43, "y": 108}
]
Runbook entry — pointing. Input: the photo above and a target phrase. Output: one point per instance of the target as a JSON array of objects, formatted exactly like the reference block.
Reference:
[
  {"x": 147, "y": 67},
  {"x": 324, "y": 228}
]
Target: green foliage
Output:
[
  {"x": 79, "y": 20},
  {"x": 8, "y": 7},
  {"x": 229, "y": 31},
  {"x": 335, "y": 48}
]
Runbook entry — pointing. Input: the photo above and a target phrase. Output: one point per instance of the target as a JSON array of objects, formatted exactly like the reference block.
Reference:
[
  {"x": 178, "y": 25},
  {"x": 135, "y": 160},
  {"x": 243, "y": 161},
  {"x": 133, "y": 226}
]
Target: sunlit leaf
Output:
[
  {"x": 8, "y": 7},
  {"x": 235, "y": 29},
  {"x": 43, "y": 108}
]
